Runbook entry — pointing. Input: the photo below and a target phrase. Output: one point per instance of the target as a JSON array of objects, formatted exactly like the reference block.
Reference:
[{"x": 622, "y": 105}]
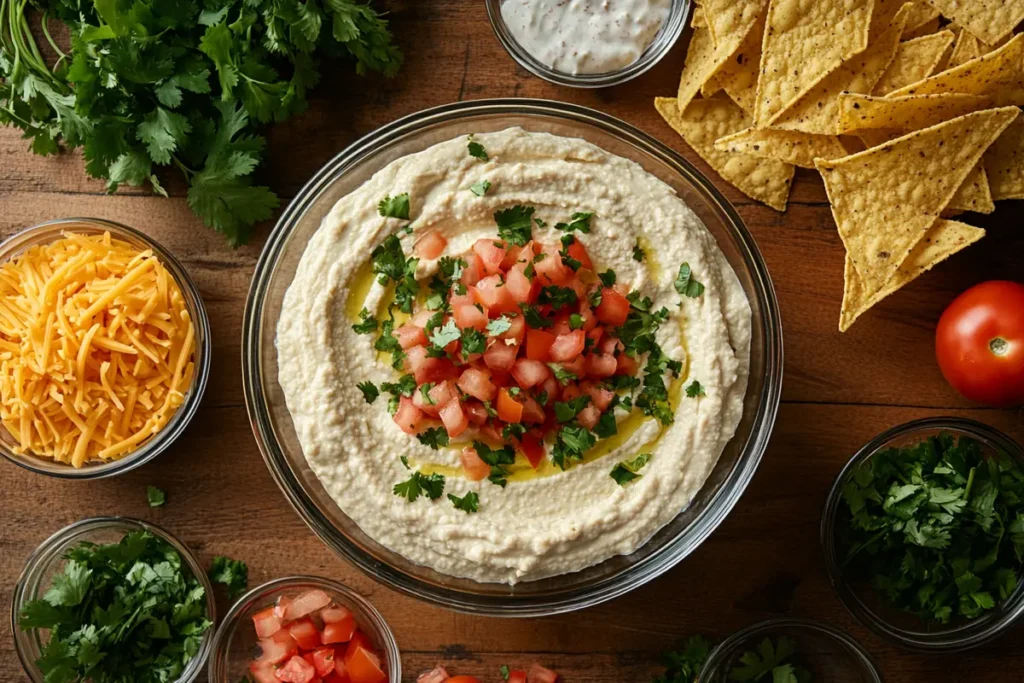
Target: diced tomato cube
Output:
[
  {"x": 339, "y": 631},
  {"x": 511, "y": 256},
  {"x": 500, "y": 356},
  {"x": 262, "y": 672},
  {"x": 323, "y": 660},
  {"x": 528, "y": 373},
  {"x": 408, "y": 417},
  {"x": 306, "y": 603},
  {"x": 425, "y": 405},
  {"x": 476, "y": 411},
  {"x": 426, "y": 369},
  {"x": 561, "y": 324},
  {"x": 538, "y": 674},
  {"x": 431, "y": 245},
  {"x": 409, "y": 335},
  {"x": 454, "y": 417},
  {"x": 277, "y": 648},
  {"x": 296, "y": 670},
  {"x": 567, "y": 346},
  {"x": 477, "y": 383},
  {"x": 305, "y": 633},
  {"x": 609, "y": 344},
  {"x": 599, "y": 396},
  {"x": 469, "y": 315},
  {"x": 492, "y": 294},
  {"x": 421, "y": 317},
  {"x": 360, "y": 639},
  {"x": 532, "y": 411},
  {"x": 626, "y": 365},
  {"x": 491, "y": 253},
  {"x": 577, "y": 251},
  {"x": 364, "y": 666},
  {"x": 550, "y": 269},
  {"x": 595, "y": 335},
  {"x": 473, "y": 271},
  {"x": 577, "y": 366},
  {"x": 552, "y": 388},
  {"x": 516, "y": 329},
  {"x": 340, "y": 673},
  {"x": 476, "y": 469},
  {"x": 538, "y": 344},
  {"x": 516, "y": 676},
  {"x": 570, "y": 391},
  {"x": 589, "y": 416},
  {"x": 520, "y": 288},
  {"x": 533, "y": 448},
  {"x": 613, "y": 309},
  {"x": 509, "y": 409},
  {"x": 266, "y": 622},
  {"x": 442, "y": 392},
  {"x": 463, "y": 679},
  {"x": 436, "y": 675},
  {"x": 601, "y": 365},
  {"x": 281, "y": 607}
]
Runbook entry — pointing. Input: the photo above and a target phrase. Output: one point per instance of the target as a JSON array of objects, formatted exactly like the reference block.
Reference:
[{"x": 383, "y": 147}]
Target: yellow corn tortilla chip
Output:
[
  {"x": 1004, "y": 163},
  {"x": 703, "y": 122},
  {"x": 817, "y": 111},
  {"x": 699, "y": 64},
  {"x": 698, "y": 20},
  {"x": 974, "y": 193},
  {"x": 921, "y": 14},
  {"x": 942, "y": 240},
  {"x": 915, "y": 60},
  {"x": 925, "y": 29},
  {"x": 998, "y": 74},
  {"x": 884, "y": 199},
  {"x": 799, "y": 149},
  {"x": 988, "y": 20},
  {"x": 881, "y": 17},
  {"x": 803, "y": 43},
  {"x": 738, "y": 75},
  {"x": 912, "y": 112},
  {"x": 967, "y": 48},
  {"x": 852, "y": 144}
]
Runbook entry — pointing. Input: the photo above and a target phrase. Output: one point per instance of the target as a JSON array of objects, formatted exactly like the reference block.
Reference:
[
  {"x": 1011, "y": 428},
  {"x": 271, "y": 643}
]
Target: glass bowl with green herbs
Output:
[
  {"x": 923, "y": 534},
  {"x": 112, "y": 599}
]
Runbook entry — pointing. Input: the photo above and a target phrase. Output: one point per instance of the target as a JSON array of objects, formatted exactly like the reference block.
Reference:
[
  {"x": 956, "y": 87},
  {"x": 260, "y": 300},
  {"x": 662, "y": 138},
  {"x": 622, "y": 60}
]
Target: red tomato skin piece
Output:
[
  {"x": 296, "y": 670},
  {"x": 463, "y": 679},
  {"x": 267, "y": 622},
  {"x": 979, "y": 343},
  {"x": 538, "y": 674},
  {"x": 323, "y": 660},
  {"x": 339, "y": 631},
  {"x": 538, "y": 345},
  {"x": 305, "y": 633},
  {"x": 516, "y": 676},
  {"x": 613, "y": 309},
  {"x": 364, "y": 666}
]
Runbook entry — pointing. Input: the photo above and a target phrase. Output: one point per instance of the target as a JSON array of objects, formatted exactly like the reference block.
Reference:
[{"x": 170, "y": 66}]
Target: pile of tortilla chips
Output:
[{"x": 907, "y": 109}]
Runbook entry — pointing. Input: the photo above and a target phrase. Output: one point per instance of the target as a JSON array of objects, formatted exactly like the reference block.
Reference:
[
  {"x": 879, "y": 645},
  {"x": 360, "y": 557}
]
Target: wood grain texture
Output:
[{"x": 840, "y": 390}]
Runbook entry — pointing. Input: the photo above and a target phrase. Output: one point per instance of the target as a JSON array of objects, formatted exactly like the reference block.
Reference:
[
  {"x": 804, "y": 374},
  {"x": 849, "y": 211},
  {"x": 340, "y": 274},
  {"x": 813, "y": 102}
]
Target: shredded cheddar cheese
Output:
[{"x": 96, "y": 348}]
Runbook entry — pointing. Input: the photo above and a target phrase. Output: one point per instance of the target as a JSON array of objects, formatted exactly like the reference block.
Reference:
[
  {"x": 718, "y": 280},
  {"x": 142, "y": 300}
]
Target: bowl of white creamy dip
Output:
[
  {"x": 587, "y": 43},
  {"x": 541, "y": 538}
]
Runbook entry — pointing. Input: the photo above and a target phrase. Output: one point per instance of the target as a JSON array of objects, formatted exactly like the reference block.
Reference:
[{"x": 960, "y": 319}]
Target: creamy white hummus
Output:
[{"x": 549, "y": 521}]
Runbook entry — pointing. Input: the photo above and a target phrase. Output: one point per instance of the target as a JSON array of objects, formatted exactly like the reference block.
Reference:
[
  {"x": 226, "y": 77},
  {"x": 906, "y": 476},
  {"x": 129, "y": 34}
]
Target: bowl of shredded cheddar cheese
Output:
[{"x": 104, "y": 348}]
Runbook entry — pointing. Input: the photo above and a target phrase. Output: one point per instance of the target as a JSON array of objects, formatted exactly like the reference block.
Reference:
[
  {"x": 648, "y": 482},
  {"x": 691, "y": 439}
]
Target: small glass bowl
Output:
[
  {"x": 48, "y": 559},
  {"x": 51, "y": 231},
  {"x": 235, "y": 642},
  {"x": 659, "y": 47},
  {"x": 827, "y": 652},
  {"x": 860, "y": 599}
]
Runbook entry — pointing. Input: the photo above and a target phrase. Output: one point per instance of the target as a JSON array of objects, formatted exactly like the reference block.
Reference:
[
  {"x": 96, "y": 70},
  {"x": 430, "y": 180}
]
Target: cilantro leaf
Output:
[
  {"x": 435, "y": 437},
  {"x": 533, "y": 317},
  {"x": 369, "y": 389},
  {"x": 683, "y": 666},
  {"x": 480, "y": 187},
  {"x": 162, "y": 132},
  {"x": 473, "y": 341},
  {"x": 561, "y": 374},
  {"x": 431, "y": 486},
  {"x": 476, "y": 150},
  {"x": 446, "y": 334},
  {"x": 394, "y": 207},
  {"x": 638, "y": 254},
  {"x": 499, "y": 325},
  {"x": 232, "y": 573},
  {"x": 557, "y": 297},
  {"x": 685, "y": 283},
  {"x": 694, "y": 389},
  {"x": 567, "y": 410},
  {"x": 367, "y": 323},
  {"x": 156, "y": 497},
  {"x": 607, "y": 278},
  {"x": 468, "y": 503},
  {"x": 579, "y": 221},
  {"x": 571, "y": 443},
  {"x": 606, "y": 426},
  {"x": 514, "y": 224},
  {"x": 627, "y": 471}
]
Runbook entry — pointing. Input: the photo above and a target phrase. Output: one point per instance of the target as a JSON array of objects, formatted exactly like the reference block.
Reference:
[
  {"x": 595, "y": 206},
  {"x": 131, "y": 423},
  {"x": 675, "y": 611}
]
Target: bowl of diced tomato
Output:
[{"x": 304, "y": 629}]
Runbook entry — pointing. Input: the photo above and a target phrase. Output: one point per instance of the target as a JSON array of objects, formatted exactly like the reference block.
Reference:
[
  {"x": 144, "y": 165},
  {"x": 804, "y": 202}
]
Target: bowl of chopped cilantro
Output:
[
  {"x": 923, "y": 534},
  {"x": 787, "y": 651},
  {"x": 112, "y": 599}
]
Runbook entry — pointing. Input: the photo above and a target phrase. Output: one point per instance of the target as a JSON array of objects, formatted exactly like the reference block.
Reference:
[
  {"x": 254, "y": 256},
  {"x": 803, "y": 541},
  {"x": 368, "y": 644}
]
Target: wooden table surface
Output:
[{"x": 764, "y": 561}]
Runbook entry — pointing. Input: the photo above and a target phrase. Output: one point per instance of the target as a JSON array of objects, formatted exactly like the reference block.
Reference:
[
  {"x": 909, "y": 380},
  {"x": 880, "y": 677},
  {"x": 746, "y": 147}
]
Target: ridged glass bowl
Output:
[{"x": 272, "y": 422}]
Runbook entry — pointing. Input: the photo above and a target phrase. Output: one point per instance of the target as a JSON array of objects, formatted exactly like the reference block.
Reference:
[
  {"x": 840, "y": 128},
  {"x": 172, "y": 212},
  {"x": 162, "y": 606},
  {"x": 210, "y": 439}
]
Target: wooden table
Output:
[{"x": 764, "y": 561}]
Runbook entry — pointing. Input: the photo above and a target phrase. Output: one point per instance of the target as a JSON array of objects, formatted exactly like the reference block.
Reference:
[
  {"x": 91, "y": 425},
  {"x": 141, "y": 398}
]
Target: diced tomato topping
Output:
[
  {"x": 476, "y": 411},
  {"x": 601, "y": 365},
  {"x": 473, "y": 271},
  {"x": 364, "y": 666},
  {"x": 267, "y": 623},
  {"x": 263, "y": 673},
  {"x": 538, "y": 344},
  {"x": 589, "y": 320},
  {"x": 426, "y": 369},
  {"x": 577, "y": 251},
  {"x": 599, "y": 396},
  {"x": 334, "y": 614},
  {"x": 626, "y": 365},
  {"x": 409, "y": 335},
  {"x": 516, "y": 676},
  {"x": 424, "y": 403},
  {"x": 538, "y": 674},
  {"x": 454, "y": 417},
  {"x": 468, "y": 315},
  {"x": 532, "y": 411},
  {"x": 442, "y": 392},
  {"x": 589, "y": 416},
  {"x": 477, "y": 383},
  {"x": 511, "y": 256},
  {"x": 509, "y": 409},
  {"x": 516, "y": 329},
  {"x": 339, "y": 631},
  {"x": 552, "y": 388},
  {"x": 305, "y": 633},
  {"x": 359, "y": 640},
  {"x": 421, "y": 317},
  {"x": 533, "y": 448},
  {"x": 613, "y": 309},
  {"x": 476, "y": 469},
  {"x": 306, "y": 603},
  {"x": 323, "y": 660},
  {"x": 340, "y": 673},
  {"x": 528, "y": 373},
  {"x": 408, "y": 417},
  {"x": 576, "y": 366},
  {"x": 492, "y": 294},
  {"x": 520, "y": 288},
  {"x": 491, "y": 253},
  {"x": 436, "y": 675},
  {"x": 431, "y": 245},
  {"x": 500, "y": 356},
  {"x": 281, "y": 606},
  {"x": 296, "y": 670},
  {"x": 608, "y": 344},
  {"x": 567, "y": 346},
  {"x": 550, "y": 269},
  {"x": 570, "y": 391},
  {"x": 277, "y": 648}
]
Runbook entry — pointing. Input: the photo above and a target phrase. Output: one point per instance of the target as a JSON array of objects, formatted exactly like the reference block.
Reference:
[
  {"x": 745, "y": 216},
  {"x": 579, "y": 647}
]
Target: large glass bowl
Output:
[{"x": 272, "y": 422}]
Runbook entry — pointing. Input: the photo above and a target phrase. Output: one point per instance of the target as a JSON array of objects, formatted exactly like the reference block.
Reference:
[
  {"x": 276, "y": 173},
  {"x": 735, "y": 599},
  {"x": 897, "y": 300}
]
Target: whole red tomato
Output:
[{"x": 980, "y": 343}]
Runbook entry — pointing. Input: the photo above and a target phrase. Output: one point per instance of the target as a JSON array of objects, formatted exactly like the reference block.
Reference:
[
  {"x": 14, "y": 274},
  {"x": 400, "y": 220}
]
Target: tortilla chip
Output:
[
  {"x": 700, "y": 63},
  {"x": 738, "y": 75},
  {"x": 967, "y": 48},
  {"x": 1004, "y": 163},
  {"x": 704, "y": 122},
  {"x": 942, "y": 240},
  {"x": 912, "y": 112},
  {"x": 915, "y": 60},
  {"x": 803, "y": 43},
  {"x": 817, "y": 112},
  {"x": 698, "y": 20},
  {"x": 925, "y": 29},
  {"x": 998, "y": 74},
  {"x": 921, "y": 14},
  {"x": 852, "y": 144},
  {"x": 988, "y": 20},
  {"x": 799, "y": 149},
  {"x": 882, "y": 16},
  {"x": 974, "y": 193},
  {"x": 885, "y": 199}
]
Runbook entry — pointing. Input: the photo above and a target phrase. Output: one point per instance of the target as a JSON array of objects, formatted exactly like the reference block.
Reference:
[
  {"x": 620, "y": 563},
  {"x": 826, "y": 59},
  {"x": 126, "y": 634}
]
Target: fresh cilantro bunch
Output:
[
  {"x": 151, "y": 83},
  {"x": 937, "y": 527},
  {"x": 128, "y": 611},
  {"x": 683, "y": 666},
  {"x": 771, "y": 662}
]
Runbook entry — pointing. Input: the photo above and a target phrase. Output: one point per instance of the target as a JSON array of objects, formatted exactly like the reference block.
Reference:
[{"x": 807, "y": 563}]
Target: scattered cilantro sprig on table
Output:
[
  {"x": 234, "y": 574},
  {"x": 187, "y": 85},
  {"x": 771, "y": 662},
  {"x": 127, "y": 611},
  {"x": 936, "y": 527}
]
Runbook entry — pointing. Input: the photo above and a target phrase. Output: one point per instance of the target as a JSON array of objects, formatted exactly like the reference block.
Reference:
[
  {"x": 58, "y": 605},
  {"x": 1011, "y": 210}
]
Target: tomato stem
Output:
[{"x": 999, "y": 346}]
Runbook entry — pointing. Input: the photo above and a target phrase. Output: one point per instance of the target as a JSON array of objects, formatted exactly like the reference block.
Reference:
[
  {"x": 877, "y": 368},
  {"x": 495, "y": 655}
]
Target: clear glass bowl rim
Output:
[
  {"x": 19, "y": 241},
  {"x": 506, "y": 606},
  {"x": 46, "y": 548},
  {"x": 666, "y": 37},
  {"x": 721, "y": 653},
  {"x": 231, "y": 621},
  {"x": 958, "y": 638}
]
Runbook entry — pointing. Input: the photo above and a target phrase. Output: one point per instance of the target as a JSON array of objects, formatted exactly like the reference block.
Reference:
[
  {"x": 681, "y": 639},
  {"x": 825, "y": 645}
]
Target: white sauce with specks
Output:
[{"x": 585, "y": 36}]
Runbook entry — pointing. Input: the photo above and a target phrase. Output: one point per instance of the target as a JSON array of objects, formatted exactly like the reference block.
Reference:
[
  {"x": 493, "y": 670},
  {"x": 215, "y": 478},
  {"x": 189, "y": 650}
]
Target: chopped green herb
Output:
[
  {"x": 233, "y": 574},
  {"x": 390, "y": 264},
  {"x": 571, "y": 443},
  {"x": 628, "y": 470},
  {"x": 476, "y": 150},
  {"x": 473, "y": 341},
  {"x": 607, "y": 278},
  {"x": 367, "y": 323},
  {"x": 394, "y": 207},
  {"x": 434, "y": 437},
  {"x": 404, "y": 460},
  {"x": 557, "y": 297},
  {"x": 499, "y": 326},
  {"x": 770, "y": 663},
  {"x": 425, "y": 393},
  {"x": 533, "y": 317},
  {"x": 156, "y": 497},
  {"x": 567, "y": 410},
  {"x": 685, "y": 283},
  {"x": 694, "y": 389},
  {"x": 468, "y": 503},
  {"x": 446, "y": 334},
  {"x": 369, "y": 389},
  {"x": 540, "y": 223},
  {"x": 498, "y": 459},
  {"x": 561, "y": 374},
  {"x": 431, "y": 486},
  {"x": 514, "y": 224},
  {"x": 513, "y": 430},
  {"x": 503, "y": 670},
  {"x": 684, "y": 666},
  {"x": 576, "y": 323},
  {"x": 579, "y": 221},
  {"x": 606, "y": 426},
  {"x": 638, "y": 253},
  {"x": 567, "y": 259},
  {"x": 405, "y": 385},
  {"x": 542, "y": 398},
  {"x": 480, "y": 188}
]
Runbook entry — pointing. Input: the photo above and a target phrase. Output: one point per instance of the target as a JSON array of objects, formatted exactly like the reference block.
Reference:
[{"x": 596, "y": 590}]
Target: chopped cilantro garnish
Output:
[
  {"x": 367, "y": 323},
  {"x": 567, "y": 410},
  {"x": 557, "y": 297},
  {"x": 480, "y": 188},
  {"x": 561, "y": 374},
  {"x": 770, "y": 663},
  {"x": 579, "y": 221},
  {"x": 405, "y": 385},
  {"x": 476, "y": 150},
  {"x": 542, "y": 398},
  {"x": 694, "y": 389},
  {"x": 607, "y": 278},
  {"x": 435, "y": 437},
  {"x": 638, "y": 253},
  {"x": 369, "y": 389},
  {"x": 446, "y": 334},
  {"x": 653, "y": 398},
  {"x": 390, "y": 264},
  {"x": 576, "y": 323},
  {"x": 619, "y": 382},
  {"x": 684, "y": 666},
  {"x": 606, "y": 426},
  {"x": 431, "y": 486},
  {"x": 685, "y": 283},
  {"x": 499, "y": 326},
  {"x": 394, "y": 207},
  {"x": 595, "y": 298},
  {"x": 627, "y": 471},
  {"x": 498, "y": 459},
  {"x": 514, "y": 224},
  {"x": 533, "y": 317},
  {"x": 467, "y": 503},
  {"x": 473, "y": 341},
  {"x": 513, "y": 430},
  {"x": 540, "y": 223},
  {"x": 155, "y": 496},
  {"x": 504, "y": 671},
  {"x": 571, "y": 443},
  {"x": 567, "y": 259},
  {"x": 425, "y": 393}
]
